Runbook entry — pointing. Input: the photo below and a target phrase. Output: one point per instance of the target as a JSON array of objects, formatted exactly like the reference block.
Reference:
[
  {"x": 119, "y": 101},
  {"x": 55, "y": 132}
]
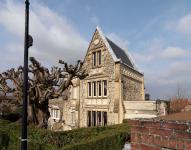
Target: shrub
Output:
[{"x": 96, "y": 138}]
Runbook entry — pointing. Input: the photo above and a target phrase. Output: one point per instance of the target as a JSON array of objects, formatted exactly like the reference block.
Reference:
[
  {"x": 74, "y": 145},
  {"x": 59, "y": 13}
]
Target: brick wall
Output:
[{"x": 161, "y": 134}]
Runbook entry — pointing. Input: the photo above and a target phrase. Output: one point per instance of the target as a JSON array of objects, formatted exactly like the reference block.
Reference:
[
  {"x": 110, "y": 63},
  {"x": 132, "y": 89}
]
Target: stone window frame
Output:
[
  {"x": 73, "y": 117},
  {"x": 97, "y": 117},
  {"x": 97, "y": 58},
  {"x": 94, "y": 59},
  {"x": 91, "y": 83},
  {"x": 55, "y": 112},
  {"x": 94, "y": 88},
  {"x": 104, "y": 88},
  {"x": 89, "y": 87},
  {"x": 99, "y": 83}
]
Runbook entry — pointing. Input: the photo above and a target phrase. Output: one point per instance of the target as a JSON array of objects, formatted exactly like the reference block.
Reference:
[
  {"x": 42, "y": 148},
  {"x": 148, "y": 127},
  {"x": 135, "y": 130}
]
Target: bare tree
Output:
[
  {"x": 178, "y": 105},
  {"x": 44, "y": 84},
  {"x": 179, "y": 101}
]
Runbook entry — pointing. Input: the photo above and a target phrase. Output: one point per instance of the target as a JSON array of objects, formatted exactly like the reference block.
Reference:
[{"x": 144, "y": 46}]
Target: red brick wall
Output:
[{"x": 155, "y": 135}]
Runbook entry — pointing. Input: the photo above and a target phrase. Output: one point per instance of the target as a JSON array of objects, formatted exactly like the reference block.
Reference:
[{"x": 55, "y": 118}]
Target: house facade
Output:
[{"x": 100, "y": 99}]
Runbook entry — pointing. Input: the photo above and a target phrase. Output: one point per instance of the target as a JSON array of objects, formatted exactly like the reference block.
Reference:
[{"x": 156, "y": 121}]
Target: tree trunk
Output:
[{"x": 39, "y": 114}]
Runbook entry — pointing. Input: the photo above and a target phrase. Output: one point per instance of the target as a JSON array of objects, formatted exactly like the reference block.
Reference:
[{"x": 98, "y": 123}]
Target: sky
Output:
[{"x": 156, "y": 33}]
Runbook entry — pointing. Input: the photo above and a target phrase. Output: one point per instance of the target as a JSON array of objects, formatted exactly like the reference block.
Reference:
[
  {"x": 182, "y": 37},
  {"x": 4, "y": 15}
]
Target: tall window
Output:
[
  {"x": 99, "y": 57},
  {"x": 94, "y": 59},
  {"x": 89, "y": 89},
  {"x": 99, "y": 118},
  {"x": 99, "y": 88},
  {"x": 96, "y": 118},
  {"x": 104, "y": 118},
  {"x": 89, "y": 119},
  {"x": 104, "y": 87},
  {"x": 94, "y": 88}
]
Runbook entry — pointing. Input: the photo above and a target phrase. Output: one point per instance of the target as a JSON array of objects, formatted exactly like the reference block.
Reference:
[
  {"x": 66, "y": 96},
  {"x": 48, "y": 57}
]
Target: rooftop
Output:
[{"x": 182, "y": 116}]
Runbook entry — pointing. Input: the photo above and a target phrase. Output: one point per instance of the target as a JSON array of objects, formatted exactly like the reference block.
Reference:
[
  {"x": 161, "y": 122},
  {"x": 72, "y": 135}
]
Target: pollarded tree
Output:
[{"x": 44, "y": 84}]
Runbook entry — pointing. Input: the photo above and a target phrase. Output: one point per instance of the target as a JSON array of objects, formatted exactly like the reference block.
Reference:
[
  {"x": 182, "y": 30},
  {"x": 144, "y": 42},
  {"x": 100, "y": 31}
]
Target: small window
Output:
[
  {"x": 89, "y": 89},
  {"x": 94, "y": 88},
  {"x": 55, "y": 113},
  {"x": 99, "y": 57},
  {"x": 104, "y": 88},
  {"x": 94, "y": 58},
  {"x": 99, "y": 88}
]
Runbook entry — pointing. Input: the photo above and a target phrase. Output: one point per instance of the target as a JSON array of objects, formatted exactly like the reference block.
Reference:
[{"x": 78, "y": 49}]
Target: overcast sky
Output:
[{"x": 156, "y": 33}]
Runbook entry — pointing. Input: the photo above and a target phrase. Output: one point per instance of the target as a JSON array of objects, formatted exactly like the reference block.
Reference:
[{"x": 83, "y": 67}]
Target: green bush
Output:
[
  {"x": 96, "y": 138},
  {"x": 114, "y": 141}
]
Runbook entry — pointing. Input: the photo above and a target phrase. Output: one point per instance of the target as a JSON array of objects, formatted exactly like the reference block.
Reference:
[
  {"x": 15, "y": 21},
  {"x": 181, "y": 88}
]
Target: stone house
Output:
[{"x": 102, "y": 98}]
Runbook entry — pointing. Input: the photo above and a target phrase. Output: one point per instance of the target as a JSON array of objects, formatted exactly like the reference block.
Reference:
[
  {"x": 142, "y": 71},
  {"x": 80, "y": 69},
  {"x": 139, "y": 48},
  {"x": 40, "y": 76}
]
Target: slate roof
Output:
[
  {"x": 117, "y": 53},
  {"x": 120, "y": 53}
]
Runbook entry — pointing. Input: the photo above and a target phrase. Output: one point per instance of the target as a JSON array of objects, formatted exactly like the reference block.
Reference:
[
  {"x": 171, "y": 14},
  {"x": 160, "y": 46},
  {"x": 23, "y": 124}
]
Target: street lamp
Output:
[{"x": 27, "y": 43}]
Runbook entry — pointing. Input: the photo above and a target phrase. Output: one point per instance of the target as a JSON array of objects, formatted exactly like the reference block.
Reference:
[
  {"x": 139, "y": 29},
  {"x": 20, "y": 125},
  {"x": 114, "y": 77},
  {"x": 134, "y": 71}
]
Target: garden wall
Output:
[{"x": 152, "y": 134}]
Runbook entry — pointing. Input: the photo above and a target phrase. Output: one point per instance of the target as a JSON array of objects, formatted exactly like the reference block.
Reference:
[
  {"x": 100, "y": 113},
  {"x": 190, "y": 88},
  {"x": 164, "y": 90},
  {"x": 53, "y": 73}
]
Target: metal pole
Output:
[{"x": 25, "y": 83}]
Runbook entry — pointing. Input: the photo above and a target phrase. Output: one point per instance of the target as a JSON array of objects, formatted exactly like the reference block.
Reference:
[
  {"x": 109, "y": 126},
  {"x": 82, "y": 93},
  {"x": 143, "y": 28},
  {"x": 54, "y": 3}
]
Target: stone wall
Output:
[
  {"x": 131, "y": 89},
  {"x": 160, "y": 135},
  {"x": 145, "y": 109},
  {"x": 133, "y": 84}
]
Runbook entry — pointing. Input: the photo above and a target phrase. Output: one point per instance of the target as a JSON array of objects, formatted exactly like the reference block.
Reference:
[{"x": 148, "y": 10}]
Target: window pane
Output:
[
  {"x": 56, "y": 113},
  {"x": 93, "y": 118},
  {"x": 94, "y": 88},
  {"x": 89, "y": 89},
  {"x": 105, "y": 88},
  {"x": 99, "y": 118},
  {"x": 99, "y": 88},
  {"x": 94, "y": 58},
  {"x": 99, "y": 57},
  {"x": 104, "y": 118},
  {"x": 89, "y": 118}
]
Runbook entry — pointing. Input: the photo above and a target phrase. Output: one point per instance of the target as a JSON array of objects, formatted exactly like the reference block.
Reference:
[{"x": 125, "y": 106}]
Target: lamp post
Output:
[{"x": 27, "y": 43}]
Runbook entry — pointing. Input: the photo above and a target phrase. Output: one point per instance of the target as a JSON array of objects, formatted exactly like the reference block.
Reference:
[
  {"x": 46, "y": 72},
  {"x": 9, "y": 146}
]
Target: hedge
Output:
[{"x": 108, "y": 138}]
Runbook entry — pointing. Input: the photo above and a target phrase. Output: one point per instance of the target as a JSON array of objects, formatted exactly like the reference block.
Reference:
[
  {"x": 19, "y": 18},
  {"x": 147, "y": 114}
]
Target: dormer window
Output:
[{"x": 96, "y": 58}]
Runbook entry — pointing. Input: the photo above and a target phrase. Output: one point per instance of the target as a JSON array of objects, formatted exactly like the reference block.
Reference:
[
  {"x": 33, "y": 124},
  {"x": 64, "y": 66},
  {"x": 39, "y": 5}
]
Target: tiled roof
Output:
[{"x": 120, "y": 53}]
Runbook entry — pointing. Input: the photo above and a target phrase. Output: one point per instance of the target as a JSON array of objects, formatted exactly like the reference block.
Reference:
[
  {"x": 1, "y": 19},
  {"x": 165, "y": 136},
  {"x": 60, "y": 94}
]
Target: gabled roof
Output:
[{"x": 117, "y": 53}]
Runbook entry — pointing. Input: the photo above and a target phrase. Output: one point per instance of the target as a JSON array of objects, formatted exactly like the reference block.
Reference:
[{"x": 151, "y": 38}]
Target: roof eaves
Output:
[
  {"x": 132, "y": 68},
  {"x": 132, "y": 60}
]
